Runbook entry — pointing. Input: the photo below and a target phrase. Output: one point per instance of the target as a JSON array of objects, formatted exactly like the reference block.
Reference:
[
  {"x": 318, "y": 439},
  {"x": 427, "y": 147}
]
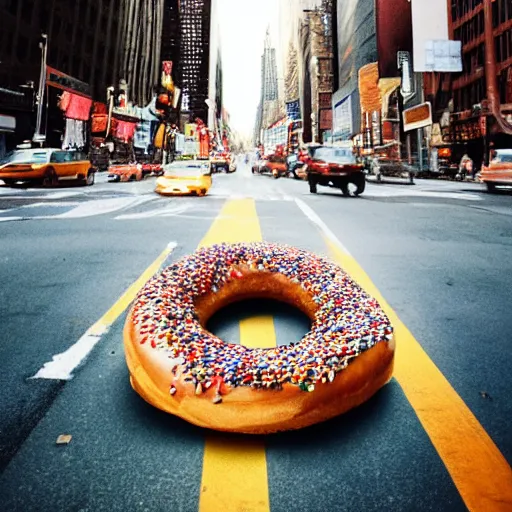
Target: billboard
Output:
[
  {"x": 416, "y": 117},
  {"x": 429, "y": 23},
  {"x": 342, "y": 122},
  {"x": 394, "y": 33}
]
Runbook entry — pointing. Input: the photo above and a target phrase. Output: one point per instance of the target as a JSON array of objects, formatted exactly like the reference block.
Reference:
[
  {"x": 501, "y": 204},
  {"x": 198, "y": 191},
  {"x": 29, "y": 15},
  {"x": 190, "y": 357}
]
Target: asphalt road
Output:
[{"x": 438, "y": 252}]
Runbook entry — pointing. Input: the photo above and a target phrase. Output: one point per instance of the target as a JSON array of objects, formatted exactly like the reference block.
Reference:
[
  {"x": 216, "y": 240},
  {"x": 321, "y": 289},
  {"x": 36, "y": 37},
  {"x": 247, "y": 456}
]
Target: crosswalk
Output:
[{"x": 125, "y": 204}]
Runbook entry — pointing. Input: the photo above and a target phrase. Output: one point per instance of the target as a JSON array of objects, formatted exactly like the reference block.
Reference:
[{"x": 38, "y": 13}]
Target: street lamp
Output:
[{"x": 43, "y": 45}]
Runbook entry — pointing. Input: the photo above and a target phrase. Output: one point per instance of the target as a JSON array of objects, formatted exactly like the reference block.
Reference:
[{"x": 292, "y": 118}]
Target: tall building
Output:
[
  {"x": 215, "y": 91},
  {"x": 141, "y": 63},
  {"x": 315, "y": 79},
  {"x": 356, "y": 47},
  {"x": 269, "y": 100},
  {"x": 194, "y": 68},
  {"x": 85, "y": 42}
]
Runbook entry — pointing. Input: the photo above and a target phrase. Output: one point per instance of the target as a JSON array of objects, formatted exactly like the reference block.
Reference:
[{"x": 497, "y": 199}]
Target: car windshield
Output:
[
  {"x": 26, "y": 157},
  {"x": 186, "y": 169},
  {"x": 503, "y": 156},
  {"x": 334, "y": 155}
]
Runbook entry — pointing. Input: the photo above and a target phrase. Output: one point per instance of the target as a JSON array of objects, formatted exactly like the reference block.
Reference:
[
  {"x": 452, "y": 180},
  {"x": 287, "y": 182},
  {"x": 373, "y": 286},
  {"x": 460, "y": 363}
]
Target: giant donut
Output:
[{"x": 178, "y": 366}]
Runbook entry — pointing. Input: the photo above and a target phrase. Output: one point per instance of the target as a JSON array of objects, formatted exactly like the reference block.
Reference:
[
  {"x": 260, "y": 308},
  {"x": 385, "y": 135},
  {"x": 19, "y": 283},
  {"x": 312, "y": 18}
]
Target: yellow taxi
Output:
[
  {"x": 46, "y": 165},
  {"x": 499, "y": 171},
  {"x": 186, "y": 177}
]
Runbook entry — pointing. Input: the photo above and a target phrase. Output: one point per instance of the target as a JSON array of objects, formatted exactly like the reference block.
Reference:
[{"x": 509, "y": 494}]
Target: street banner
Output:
[{"x": 167, "y": 82}]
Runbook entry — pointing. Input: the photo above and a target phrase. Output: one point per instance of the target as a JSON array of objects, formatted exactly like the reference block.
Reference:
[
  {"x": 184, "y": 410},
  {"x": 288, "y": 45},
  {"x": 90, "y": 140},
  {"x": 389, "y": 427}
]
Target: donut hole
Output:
[
  {"x": 290, "y": 323},
  {"x": 254, "y": 294}
]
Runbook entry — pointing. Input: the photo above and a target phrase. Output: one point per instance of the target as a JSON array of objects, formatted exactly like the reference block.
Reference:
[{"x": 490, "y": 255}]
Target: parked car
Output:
[
  {"x": 499, "y": 171},
  {"x": 384, "y": 166},
  {"x": 186, "y": 177},
  {"x": 334, "y": 166},
  {"x": 47, "y": 166},
  {"x": 125, "y": 172}
]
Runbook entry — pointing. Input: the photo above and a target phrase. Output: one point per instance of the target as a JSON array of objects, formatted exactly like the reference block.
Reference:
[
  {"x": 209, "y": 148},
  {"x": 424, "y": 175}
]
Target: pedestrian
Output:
[{"x": 465, "y": 167}]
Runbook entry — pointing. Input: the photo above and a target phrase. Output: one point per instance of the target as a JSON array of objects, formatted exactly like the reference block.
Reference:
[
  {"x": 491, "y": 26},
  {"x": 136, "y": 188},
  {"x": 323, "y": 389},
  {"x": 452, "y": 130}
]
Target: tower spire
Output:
[{"x": 267, "y": 38}]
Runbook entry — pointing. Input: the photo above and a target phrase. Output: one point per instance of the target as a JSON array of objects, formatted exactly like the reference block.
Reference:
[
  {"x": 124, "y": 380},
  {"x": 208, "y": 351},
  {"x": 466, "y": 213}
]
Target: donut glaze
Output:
[{"x": 178, "y": 366}]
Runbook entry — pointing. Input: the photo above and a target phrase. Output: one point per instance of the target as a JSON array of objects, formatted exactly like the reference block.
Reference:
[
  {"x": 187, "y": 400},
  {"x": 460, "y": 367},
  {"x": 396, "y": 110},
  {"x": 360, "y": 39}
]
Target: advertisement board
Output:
[
  {"x": 342, "y": 123},
  {"x": 417, "y": 117},
  {"x": 429, "y": 23}
]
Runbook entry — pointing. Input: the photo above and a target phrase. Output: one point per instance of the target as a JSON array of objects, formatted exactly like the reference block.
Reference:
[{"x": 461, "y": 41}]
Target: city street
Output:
[{"x": 436, "y": 254}]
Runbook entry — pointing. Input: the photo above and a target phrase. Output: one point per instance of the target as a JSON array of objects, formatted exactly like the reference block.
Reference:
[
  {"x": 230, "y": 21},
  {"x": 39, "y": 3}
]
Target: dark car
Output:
[{"x": 334, "y": 166}]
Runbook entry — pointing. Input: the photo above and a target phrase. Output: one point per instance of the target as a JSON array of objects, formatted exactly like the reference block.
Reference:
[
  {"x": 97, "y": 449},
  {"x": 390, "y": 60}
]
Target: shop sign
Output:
[
  {"x": 65, "y": 82},
  {"x": 343, "y": 118},
  {"x": 417, "y": 117}
]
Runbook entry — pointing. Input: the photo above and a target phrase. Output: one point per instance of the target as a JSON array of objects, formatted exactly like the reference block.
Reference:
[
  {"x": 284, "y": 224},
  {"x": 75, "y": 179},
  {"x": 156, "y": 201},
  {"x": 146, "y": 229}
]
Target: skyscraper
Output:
[
  {"x": 268, "y": 109},
  {"x": 195, "y": 19}
]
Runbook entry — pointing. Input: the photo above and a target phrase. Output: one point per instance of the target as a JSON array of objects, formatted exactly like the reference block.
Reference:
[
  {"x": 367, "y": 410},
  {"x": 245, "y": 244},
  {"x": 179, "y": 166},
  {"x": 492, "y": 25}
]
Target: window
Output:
[{"x": 58, "y": 157}]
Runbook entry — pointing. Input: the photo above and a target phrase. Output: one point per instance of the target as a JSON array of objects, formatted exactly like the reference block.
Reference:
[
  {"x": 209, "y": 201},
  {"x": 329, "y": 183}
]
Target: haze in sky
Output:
[{"x": 243, "y": 24}]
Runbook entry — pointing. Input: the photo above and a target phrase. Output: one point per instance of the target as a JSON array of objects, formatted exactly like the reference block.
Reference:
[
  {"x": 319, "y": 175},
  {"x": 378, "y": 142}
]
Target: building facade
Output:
[
  {"x": 356, "y": 47},
  {"x": 142, "y": 27},
  {"x": 482, "y": 92},
  {"x": 268, "y": 108},
  {"x": 195, "y": 21},
  {"x": 84, "y": 42},
  {"x": 91, "y": 45}
]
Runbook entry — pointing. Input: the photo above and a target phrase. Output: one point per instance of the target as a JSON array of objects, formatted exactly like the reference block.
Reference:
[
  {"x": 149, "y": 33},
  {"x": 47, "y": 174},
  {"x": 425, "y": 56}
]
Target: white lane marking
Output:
[
  {"x": 63, "y": 204},
  {"x": 62, "y": 365},
  {"x": 8, "y": 219},
  {"x": 99, "y": 207},
  {"x": 162, "y": 212},
  {"x": 315, "y": 219},
  {"x": 54, "y": 195},
  {"x": 259, "y": 196},
  {"x": 404, "y": 192}
]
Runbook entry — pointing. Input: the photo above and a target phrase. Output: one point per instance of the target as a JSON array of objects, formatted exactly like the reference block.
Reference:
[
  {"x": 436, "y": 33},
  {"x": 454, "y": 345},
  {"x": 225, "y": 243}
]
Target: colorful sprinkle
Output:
[{"x": 347, "y": 321}]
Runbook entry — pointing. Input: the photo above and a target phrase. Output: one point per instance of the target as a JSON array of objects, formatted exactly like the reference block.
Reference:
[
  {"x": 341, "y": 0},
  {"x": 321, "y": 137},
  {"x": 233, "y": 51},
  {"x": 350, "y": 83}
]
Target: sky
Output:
[{"x": 243, "y": 24}]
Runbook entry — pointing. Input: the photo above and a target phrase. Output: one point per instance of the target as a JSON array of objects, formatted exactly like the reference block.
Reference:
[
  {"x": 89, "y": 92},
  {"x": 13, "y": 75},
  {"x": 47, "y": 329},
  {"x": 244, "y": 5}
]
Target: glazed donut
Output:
[{"x": 178, "y": 366}]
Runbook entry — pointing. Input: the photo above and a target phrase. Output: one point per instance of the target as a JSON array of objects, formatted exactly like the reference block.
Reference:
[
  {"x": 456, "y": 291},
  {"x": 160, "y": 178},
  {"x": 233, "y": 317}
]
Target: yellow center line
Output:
[
  {"x": 234, "y": 475},
  {"x": 480, "y": 472}
]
